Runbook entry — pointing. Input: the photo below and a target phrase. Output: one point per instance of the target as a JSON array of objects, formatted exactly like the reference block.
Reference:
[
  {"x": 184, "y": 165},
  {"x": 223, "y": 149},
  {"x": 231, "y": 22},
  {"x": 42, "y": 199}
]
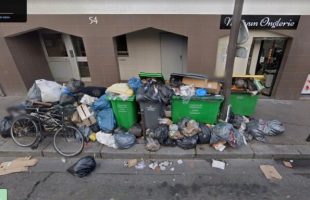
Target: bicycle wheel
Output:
[
  {"x": 24, "y": 131},
  {"x": 68, "y": 141}
]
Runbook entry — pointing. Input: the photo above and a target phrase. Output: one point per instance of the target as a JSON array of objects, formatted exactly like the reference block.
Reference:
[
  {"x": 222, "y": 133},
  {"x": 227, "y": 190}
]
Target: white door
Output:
[
  {"x": 173, "y": 54},
  {"x": 63, "y": 56}
]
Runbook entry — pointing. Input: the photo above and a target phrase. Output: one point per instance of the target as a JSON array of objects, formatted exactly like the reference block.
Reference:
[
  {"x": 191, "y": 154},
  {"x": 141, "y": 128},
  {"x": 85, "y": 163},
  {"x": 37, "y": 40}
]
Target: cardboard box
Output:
[
  {"x": 200, "y": 83},
  {"x": 85, "y": 115},
  {"x": 214, "y": 87}
]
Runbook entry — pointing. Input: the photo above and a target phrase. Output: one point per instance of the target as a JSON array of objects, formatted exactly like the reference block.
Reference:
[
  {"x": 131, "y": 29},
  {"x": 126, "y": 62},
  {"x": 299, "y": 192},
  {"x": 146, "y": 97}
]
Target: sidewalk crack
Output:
[{"x": 37, "y": 184}]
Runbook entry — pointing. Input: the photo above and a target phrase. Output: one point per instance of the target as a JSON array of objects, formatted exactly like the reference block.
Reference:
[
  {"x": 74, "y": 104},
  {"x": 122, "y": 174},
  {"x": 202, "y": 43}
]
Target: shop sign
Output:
[
  {"x": 263, "y": 21},
  {"x": 306, "y": 88}
]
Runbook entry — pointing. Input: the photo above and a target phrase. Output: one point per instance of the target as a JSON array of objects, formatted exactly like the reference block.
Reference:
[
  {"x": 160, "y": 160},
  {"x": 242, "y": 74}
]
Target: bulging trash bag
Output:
[
  {"x": 188, "y": 142},
  {"x": 67, "y": 97},
  {"x": 225, "y": 131},
  {"x": 152, "y": 144},
  {"x": 93, "y": 91},
  {"x": 135, "y": 83},
  {"x": 148, "y": 92},
  {"x": 105, "y": 120},
  {"x": 5, "y": 126},
  {"x": 165, "y": 93},
  {"x": 161, "y": 133},
  {"x": 204, "y": 135},
  {"x": 253, "y": 131},
  {"x": 236, "y": 121},
  {"x": 75, "y": 85},
  {"x": 275, "y": 127},
  {"x": 106, "y": 139},
  {"x": 136, "y": 130},
  {"x": 169, "y": 142},
  {"x": 124, "y": 140},
  {"x": 34, "y": 93},
  {"x": 101, "y": 104},
  {"x": 189, "y": 127},
  {"x": 50, "y": 90},
  {"x": 174, "y": 132},
  {"x": 119, "y": 130},
  {"x": 83, "y": 167}
]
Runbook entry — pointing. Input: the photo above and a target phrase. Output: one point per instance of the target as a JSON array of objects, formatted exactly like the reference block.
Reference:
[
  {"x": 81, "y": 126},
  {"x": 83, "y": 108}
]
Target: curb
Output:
[{"x": 251, "y": 151}]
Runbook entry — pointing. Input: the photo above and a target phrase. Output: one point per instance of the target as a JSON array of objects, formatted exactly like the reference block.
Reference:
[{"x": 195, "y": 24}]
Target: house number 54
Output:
[{"x": 93, "y": 20}]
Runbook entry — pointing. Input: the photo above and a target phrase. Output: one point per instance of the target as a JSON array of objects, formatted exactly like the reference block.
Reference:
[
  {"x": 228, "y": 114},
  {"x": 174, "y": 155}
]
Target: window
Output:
[
  {"x": 84, "y": 69},
  {"x": 121, "y": 45},
  {"x": 78, "y": 46},
  {"x": 54, "y": 45}
]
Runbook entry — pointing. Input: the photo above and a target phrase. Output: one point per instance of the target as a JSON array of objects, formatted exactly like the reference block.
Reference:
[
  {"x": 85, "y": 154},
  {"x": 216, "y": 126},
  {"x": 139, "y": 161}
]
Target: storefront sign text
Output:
[{"x": 263, "y": 21}]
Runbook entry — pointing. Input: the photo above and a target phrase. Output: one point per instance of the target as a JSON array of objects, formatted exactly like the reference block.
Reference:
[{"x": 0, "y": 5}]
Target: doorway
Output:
[
  {"x": 66, "y": 56},
  {"x": 173, "y": 54},
  {"x": 265, "y": 59}
]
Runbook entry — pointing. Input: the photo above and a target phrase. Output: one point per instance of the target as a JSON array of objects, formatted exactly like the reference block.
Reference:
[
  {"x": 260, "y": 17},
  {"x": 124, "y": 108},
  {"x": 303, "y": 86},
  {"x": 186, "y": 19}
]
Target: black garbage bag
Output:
[
  {"x": 226, "y": 132},
  {"x": 252, "y": 129},
  {"x": 75, "y": 85},
  {"x": 274, "y": 127},
  {"x": 188, "y": 142},
  {"x": 152, "y": 144},
  {"x": 148, "y": 92},
  {"x": 67, "y": 99},
  {"x": 5, "y": 126},
  {"x": 236, "y": 121},
  {"x": 93, "y": 91},
  {"x": 204, "y": 135},
  {"x": 94, "y": 127},
  {"x": 165, "y": 93},
  {"x": 124, "y": 140},
  {"x": 83, "y": 167},
  {"x": 119, "y": 130},
  {"x": 136, "y": 130},
  {"x": 161, "y": 133},
  {"x": 169, "y": 142}
]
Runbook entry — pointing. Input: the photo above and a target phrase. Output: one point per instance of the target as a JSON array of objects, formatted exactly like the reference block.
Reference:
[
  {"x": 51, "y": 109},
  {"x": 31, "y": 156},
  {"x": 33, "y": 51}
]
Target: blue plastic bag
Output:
[
  {"x": 104, "y": 114},
  {"x": 124, "y": 140},
  {"x": 134, "y": 83},
  {"x": 200, "y": 92},
  {"x": 101, "y": 103}
]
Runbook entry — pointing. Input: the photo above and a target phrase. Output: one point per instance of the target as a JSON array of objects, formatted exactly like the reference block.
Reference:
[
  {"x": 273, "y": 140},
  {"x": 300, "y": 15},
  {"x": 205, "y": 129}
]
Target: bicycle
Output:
[{"x": 26, "y": 130}]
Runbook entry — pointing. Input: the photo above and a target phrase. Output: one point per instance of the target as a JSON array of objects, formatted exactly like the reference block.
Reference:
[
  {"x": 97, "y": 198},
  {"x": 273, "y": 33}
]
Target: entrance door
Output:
[
  {"x": 65, "y": 55},
  {"x": 173, "y": 54},
  {"x": 268, "y": 54}
]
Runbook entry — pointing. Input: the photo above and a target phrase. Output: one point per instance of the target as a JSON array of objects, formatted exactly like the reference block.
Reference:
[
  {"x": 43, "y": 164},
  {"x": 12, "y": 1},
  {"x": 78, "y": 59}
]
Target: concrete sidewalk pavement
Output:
[{"x": 292, "y": 144}]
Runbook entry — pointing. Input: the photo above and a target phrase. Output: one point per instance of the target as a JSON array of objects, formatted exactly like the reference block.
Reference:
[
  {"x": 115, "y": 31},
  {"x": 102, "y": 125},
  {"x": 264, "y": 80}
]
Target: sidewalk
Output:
[{"x": 292, "y": 144}]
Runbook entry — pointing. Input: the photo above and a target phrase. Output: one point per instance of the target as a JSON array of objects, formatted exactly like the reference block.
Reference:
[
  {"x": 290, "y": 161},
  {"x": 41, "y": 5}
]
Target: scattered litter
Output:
[
  {"x": 172, "y": 169},
  {"x": 218, "y": 164},
  {"x": 287, "y": 164},
  {"x": 173, "y": 180},
  {"x": 63, "y": 160},
  {"x": 180, "y": 162},
  {"x": 130, "y": 163},
  {"x": 270, "y": 172},
  {"x": 219, "y": 146},
  {"x": 17, "y": 165},
  {"x": 140, "y": 165},
  {"x": 153, "y": 165},
  {"x": 83, "y": 167},
  {"x": 164, "y": 165}
]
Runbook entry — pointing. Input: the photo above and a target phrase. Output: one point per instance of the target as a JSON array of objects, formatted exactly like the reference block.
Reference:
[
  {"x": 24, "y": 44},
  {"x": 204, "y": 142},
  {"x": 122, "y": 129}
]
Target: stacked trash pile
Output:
[{"x": 183, "y": 112}]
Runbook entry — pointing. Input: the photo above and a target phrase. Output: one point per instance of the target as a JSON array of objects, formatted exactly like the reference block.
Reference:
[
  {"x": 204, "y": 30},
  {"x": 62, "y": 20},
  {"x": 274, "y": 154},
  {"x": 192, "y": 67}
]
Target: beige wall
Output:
[
  {"x": 203, "y": 35},
  {"x": 240, "y": 65},
  {"x": 144, "y": 54}
]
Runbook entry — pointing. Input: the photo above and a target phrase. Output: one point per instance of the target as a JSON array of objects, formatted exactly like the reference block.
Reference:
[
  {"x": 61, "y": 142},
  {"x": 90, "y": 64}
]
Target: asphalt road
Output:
[{"x": 194, "y": 179}]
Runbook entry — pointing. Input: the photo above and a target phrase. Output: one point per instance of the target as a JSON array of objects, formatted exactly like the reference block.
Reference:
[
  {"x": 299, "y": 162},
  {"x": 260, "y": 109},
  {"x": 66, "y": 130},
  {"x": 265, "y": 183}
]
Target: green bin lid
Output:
[
  {"x": 158, "y": 76},
  {"x": 217, "y": 97}
]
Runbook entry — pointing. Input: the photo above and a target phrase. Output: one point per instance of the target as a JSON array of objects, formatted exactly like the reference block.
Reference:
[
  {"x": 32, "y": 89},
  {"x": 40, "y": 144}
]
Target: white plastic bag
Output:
[
  {"x": 50, "y": 90},
  {"x": 106, "y": 139},
  {"x": 88, "y": 100}
]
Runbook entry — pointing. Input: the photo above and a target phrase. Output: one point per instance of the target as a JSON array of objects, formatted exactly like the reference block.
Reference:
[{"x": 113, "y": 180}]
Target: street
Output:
[{"x": 193, "y": 179}]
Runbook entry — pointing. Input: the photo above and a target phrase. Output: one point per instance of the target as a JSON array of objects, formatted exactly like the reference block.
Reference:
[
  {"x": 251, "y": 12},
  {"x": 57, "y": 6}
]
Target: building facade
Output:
[{"x": 104, "y": 42}]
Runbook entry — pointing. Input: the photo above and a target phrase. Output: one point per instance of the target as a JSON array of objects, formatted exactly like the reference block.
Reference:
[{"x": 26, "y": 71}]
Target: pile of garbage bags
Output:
[{"x": 186, "y": 134}]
